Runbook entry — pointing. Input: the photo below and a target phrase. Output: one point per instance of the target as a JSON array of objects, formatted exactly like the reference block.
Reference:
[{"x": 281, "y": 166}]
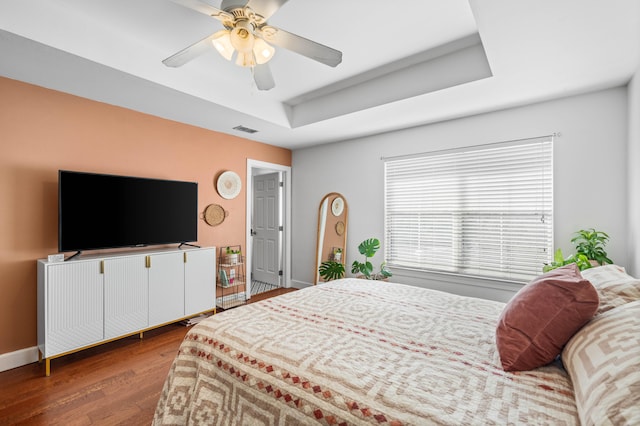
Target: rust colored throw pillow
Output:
[{"x": 541, "y": 318}]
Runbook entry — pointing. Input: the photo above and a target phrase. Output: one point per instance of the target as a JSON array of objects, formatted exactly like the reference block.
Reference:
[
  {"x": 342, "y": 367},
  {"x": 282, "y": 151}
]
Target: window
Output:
[{"x": 483, "y": 211}]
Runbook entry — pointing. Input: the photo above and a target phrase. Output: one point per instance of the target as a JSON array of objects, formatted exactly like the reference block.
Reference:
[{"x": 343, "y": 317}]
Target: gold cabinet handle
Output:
[{"x": 102, "y": 266}]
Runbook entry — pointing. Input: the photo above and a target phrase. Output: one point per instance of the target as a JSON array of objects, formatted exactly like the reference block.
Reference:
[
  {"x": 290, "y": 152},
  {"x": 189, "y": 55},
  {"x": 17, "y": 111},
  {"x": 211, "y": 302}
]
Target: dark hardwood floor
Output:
[{"x": 118, "y": 383}]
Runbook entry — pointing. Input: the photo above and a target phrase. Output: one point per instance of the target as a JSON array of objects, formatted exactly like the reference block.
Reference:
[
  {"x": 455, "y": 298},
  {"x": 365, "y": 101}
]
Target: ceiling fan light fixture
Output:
[
  {"x": 242, "y": 38},
  {"x": 251, "y": 50},
  {"x": 245, "y": 59},
  {"x": 262, "y": 51},
  {"x": 222, "y": 42}
]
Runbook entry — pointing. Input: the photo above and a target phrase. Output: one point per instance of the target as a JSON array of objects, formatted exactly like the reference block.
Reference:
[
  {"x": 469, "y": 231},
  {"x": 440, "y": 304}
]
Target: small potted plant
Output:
[
  {"x": 559, "y": 260},
  {"x": 591, "y": 243},
  {"x": 337, "y": 254},
  {"x": 232, "y": 256},
  {"x": 331, "y": 270},
  {"x": 368, "y": 248}
]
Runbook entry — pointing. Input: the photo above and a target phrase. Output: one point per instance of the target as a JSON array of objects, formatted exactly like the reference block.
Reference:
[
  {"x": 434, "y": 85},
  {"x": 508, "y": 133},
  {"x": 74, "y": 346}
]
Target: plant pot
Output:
[
  {"x": 232, "y": 259},
  {"x": 362, "y": 277}
]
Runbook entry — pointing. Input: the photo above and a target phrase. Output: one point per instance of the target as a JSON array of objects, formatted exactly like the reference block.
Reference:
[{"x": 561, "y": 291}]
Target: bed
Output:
[{"x": 354, "y": 351}]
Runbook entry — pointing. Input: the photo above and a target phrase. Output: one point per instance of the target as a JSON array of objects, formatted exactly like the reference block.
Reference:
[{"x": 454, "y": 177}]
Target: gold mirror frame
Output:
[{"x": 332, "y": 230}]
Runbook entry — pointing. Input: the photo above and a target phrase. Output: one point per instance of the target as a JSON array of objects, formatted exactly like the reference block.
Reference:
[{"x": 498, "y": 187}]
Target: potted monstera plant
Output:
[
  {"x": 368, "y": 248},
  {"x": 331, "y": 270}
]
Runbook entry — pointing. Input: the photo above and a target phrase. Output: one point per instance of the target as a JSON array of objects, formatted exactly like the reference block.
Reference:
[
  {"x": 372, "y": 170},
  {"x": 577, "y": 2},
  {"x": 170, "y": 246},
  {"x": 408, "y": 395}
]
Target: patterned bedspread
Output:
[{"x": 357, "y": 352}]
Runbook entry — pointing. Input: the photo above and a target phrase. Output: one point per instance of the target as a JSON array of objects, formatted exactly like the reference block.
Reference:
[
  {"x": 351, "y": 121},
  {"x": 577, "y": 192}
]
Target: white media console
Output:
[{"x": 95, "y": 299}]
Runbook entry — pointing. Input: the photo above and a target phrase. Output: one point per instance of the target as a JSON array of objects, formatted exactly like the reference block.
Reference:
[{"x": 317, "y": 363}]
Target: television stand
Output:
[
  {"x": 76, "y": 254},
  {"x": 100, "y": 298}
]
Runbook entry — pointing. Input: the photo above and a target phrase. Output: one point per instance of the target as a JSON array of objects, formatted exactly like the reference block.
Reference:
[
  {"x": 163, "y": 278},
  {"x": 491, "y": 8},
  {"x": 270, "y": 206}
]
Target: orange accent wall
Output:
[{"x": 42, "y": 131}]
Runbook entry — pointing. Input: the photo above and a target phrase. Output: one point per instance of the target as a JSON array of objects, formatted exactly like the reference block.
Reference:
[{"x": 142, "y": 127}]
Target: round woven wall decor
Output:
[
  {"x": 229, "y": 185},
  {"x": 214, "y": 214}
]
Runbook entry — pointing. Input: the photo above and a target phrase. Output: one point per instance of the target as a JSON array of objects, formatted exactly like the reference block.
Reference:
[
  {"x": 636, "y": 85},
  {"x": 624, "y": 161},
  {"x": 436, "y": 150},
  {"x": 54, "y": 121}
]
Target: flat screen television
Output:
[{"x": 99, "y": 211}]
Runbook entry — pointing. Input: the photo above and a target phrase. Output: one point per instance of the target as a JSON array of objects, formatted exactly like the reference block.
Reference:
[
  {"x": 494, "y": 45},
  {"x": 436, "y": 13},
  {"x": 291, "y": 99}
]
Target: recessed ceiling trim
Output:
[
  {"x": 455, "y": 63},
  {"x": 388, "y": 69}
]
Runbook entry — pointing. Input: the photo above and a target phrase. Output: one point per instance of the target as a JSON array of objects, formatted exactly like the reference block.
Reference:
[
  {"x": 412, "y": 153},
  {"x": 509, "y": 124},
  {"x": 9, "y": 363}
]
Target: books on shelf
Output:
[{"x": 224, "y": 281}]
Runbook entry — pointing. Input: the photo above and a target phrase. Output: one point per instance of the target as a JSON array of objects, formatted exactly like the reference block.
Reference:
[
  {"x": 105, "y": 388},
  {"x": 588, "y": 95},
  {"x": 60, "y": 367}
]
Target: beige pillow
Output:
[
  {"x": 615, "y": 287},
  {"x": 603, "y": 360}
]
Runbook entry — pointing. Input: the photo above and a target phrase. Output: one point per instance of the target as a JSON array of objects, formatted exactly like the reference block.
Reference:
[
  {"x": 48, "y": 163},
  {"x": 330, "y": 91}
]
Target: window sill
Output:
[{"x": 480, "y": 287}]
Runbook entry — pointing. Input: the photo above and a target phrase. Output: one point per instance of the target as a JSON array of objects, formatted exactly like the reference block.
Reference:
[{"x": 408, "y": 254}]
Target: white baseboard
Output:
[
  {"x": 18, "y": 358},
  {"x": 300, "y": 284}
]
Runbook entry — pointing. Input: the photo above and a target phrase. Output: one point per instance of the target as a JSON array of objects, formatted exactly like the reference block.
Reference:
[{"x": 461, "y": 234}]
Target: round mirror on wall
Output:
[{"x": 332, "y": 231}]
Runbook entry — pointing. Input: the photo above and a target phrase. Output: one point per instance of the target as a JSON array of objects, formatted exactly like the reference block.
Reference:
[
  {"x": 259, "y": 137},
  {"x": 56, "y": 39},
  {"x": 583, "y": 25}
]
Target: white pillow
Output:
[{"x": 615, "y": 287}]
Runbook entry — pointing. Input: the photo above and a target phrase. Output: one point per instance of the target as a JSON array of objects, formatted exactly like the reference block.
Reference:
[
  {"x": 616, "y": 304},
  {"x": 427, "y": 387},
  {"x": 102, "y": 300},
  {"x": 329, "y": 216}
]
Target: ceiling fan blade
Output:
[
  {"x": 206, "y": 9},
  {"x": 266, "y": 8},
  {"x": 263, "y": 78},
  {"x": 189, "y": 53},
  {"x": 295, "y": 43}
]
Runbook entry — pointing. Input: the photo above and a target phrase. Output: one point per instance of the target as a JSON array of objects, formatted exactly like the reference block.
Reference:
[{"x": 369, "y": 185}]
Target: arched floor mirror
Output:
[{"x": 332, "y": 231}]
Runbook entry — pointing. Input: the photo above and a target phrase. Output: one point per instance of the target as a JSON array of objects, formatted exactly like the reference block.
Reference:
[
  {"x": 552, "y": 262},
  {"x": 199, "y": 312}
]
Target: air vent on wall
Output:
[{"x": 245, "y": 129}]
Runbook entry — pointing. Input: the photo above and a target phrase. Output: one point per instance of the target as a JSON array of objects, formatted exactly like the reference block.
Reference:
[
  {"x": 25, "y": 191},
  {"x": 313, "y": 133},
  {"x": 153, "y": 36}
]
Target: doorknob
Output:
[{"x": 253, "y": 233}]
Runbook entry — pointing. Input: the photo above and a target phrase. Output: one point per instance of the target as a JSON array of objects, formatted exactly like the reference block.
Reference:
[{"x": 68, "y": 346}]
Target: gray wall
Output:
[
  {"x": 590, "y": 177},
  {"x": 633, "y": 235}
]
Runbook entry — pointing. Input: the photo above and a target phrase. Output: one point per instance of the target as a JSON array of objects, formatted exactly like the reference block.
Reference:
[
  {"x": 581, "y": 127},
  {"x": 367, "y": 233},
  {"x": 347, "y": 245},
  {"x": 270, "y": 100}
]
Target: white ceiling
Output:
[{"x": 398, "y": 69}]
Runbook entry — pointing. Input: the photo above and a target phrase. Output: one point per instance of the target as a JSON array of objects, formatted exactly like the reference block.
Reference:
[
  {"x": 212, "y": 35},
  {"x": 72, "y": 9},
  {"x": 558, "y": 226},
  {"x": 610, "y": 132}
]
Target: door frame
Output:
[{"x": 286, "y": 212}]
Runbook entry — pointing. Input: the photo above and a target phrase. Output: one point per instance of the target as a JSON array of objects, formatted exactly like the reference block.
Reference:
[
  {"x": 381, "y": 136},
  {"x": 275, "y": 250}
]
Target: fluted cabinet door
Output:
[
  {"x": 126, "y": 296},
  {"x": 199, "y": 281},
  {"x": 166, "y": 288},
  {"x": 74, "y": 309}
]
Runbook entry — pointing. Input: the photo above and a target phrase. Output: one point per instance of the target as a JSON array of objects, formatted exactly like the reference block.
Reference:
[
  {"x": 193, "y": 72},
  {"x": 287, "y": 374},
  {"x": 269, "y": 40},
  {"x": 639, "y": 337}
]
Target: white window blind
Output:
[{"x": 483, "y": 211}]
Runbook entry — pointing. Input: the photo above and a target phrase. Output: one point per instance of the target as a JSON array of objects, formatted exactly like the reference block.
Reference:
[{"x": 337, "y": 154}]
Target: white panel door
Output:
[
  {"x": 126, "y": 296},
  {"x": 199, "y": 280},
  {"x": 74, "y": 310},
  {"x": 266, "y": 229},
  {"x": 166, "y": 288}
]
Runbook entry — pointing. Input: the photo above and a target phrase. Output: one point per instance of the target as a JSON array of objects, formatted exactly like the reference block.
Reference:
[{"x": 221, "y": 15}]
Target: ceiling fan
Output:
[{"x": 248, "y": 37}]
